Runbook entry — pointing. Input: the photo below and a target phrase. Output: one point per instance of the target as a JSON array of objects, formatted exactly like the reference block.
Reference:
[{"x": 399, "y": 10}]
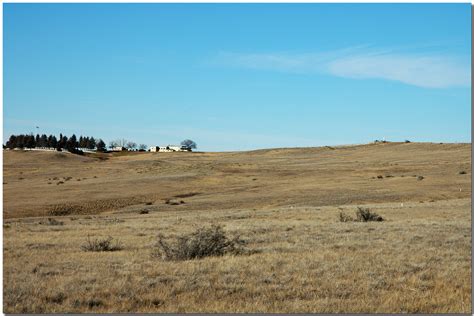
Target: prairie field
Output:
[{"x": 285, "y": 206}]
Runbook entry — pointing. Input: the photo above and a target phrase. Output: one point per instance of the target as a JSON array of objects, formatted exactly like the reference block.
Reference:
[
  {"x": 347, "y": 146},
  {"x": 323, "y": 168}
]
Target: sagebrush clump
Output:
[
  {"x": 362, "y": 215},
  {"x": 204, "y": 242},
  {"x": 104, "y": 244},
  {"x": 365, "y": 215}
]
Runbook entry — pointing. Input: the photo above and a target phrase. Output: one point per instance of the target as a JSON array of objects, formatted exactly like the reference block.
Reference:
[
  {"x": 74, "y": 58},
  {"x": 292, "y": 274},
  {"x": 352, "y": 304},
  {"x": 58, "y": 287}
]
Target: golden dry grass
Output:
[{"x": 417, "y": 260}]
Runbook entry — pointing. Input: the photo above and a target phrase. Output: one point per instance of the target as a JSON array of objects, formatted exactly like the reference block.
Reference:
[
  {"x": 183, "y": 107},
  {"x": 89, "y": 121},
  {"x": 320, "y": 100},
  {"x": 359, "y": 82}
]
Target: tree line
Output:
[
  {"x": 74, "y": 145},
  {"x": 63, "y": 142}
]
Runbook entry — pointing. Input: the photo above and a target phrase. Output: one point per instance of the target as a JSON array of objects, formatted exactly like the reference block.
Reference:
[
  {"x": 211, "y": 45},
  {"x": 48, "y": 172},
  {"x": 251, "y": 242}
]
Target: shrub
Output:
[
  {"x": 419, "y": 178},
  {"x": 407, "y": 141},
  {"x": 144, "y": 212},
  {"x": 62, "y": 210},
  {"x": 379, "y": 177},
  {"x": 362, "y": 215},
  {"x": 106, "y": 244},
  {"x": 204, "y": 242},
  {"x": 462, "y": 172},
  {"x": 365, "y": 215}
]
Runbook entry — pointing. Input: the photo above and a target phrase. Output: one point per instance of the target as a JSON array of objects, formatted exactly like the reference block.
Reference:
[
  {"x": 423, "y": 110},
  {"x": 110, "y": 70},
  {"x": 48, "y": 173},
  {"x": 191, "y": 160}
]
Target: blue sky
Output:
[{"x": 239, "y": 76}]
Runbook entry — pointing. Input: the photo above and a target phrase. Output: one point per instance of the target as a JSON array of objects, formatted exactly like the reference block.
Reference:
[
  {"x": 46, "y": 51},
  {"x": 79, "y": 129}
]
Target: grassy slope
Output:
[
  {"x": 257, "y": 179},
  {"x": 418, "y": 260}
]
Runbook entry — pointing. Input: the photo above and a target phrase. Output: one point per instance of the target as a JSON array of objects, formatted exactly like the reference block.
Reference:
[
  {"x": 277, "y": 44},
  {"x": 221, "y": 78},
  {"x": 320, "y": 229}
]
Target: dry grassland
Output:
[{"x": 283, "y": 203}]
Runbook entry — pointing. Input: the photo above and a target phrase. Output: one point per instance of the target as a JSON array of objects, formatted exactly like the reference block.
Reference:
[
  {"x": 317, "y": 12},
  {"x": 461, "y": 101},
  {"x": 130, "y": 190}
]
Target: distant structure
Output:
[
  {"x": 169, "y": 148},
  {"x": 119, "y": 148}
]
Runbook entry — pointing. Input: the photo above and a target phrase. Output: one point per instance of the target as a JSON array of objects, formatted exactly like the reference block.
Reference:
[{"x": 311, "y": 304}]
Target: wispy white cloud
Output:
[{"x": 423, "y": 70}]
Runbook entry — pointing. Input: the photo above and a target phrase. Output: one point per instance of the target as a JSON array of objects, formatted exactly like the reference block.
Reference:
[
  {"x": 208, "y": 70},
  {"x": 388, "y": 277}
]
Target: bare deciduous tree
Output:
[
  {"x": 130, "y": 145},
  {"x": 189, "y": 143}
]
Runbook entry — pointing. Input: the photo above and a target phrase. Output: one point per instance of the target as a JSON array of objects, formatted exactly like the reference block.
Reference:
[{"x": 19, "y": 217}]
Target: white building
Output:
[
  {"x": 119, "y": 148},
  {"x": 169, "y": 148}
]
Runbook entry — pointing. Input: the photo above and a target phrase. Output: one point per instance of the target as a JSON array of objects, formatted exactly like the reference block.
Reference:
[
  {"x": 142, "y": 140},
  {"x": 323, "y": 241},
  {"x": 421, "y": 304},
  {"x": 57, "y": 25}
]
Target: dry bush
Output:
[
  {"x": 204, "y": 242},
  {"x": 106, "y": 244},
  {"x": 365, "y": 215},
  {"x": 420, "y": 178},
  {"x": 61, "y": 210},
  {"x": 362, "y": 215}
]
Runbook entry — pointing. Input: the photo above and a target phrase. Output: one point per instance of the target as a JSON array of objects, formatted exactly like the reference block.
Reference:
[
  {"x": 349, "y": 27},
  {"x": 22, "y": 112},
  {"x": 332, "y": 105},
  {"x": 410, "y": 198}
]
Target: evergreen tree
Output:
[
  {"x": 92, "y": 143},
  {"x": 43, "y": 141},
  {"x": 20, "y": 143},
  {"x": 12, "y": 142},
  {"x": 71, "y": 143},
  {"x": 48, "y": 143},
  {"x": 30, "y": 141},
  {"x": 60, "y": 141},
  {"x": 100, "y": 145},
  {"x": 86, "y": 142},
  {"x": 54, "y": 142}
]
